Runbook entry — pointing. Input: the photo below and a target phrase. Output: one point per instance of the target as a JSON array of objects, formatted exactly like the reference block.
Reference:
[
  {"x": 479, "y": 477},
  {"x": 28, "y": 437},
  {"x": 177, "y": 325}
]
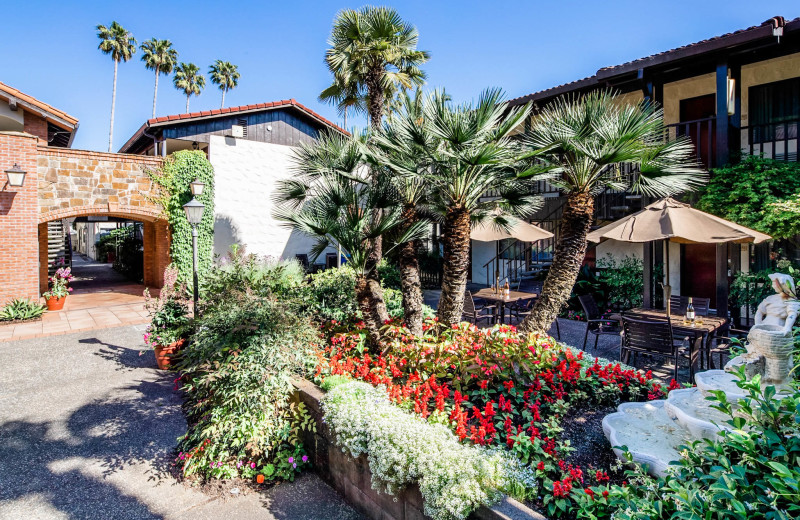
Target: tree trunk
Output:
[
  {"x": 376, "y": 98},
  {"x": 410, "y": 284},
  {"x": 373, "y": 309},
  {"x": 155, "y": 94},
  {"x": 456, "y": 261},
  {"x": 187, "y": 103},
  {"x": 222, "y": 105},
  {"x": 569, "y": 255},
  {"x": 113, "y": 103}
]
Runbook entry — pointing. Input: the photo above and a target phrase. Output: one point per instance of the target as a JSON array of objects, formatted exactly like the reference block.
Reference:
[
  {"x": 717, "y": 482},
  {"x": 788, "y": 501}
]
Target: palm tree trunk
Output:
[
  {"x": 456, "y": 261},
  {"x": 569, "y": 255},
  {"x": 372, "y": 306},
  {"x": 376, "y": 98},
  {"x": 410, "y": 284},
  {"x": 155, "y": 94},
  {"x": 113, "y": 103},
  {"x": 222, "y": 105},
  {"x": 187, "y": 103}
]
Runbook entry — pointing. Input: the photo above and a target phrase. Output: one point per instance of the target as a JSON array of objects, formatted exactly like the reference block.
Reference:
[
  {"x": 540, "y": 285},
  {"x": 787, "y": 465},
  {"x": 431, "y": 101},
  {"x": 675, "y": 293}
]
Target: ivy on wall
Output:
[{"x": 173, "y": 178}]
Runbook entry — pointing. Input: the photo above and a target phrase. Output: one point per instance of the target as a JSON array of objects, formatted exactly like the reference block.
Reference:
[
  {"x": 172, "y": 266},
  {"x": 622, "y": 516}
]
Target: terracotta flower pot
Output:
[
  {"x": 163, "y": 353},
  {"x": 56, "y": 304}
]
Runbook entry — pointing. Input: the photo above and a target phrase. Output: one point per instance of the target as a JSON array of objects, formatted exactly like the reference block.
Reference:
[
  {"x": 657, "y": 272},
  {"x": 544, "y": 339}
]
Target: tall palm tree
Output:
[
  {"x": 330, "y": 199},
  {"x": 225, "y": 75},
  {"x": 188, "y": 78},
  {"x": 580, "y": 145},
  {"x": 121, "y": 45},
  {"x": 374, "y": 51},
  {"x": 158, "y": 56},
  {"x": 461, "y": 153}
]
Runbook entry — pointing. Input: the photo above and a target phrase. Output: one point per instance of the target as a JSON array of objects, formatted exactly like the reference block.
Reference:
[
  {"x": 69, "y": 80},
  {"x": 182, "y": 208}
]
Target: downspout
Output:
[{"x": 155, "y": 143}]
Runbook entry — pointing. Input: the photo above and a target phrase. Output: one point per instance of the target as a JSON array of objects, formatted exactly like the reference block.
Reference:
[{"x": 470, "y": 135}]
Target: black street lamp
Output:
[{"x": 194, "y": 214}]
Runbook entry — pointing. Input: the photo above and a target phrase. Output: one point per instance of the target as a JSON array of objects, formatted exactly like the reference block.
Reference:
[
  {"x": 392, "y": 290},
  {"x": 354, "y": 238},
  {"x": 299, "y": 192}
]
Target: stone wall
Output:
[
  {"x": 80, "y": 182},
  {"x": 19, "y": 211},
  {"x": 352, "y": 478}
]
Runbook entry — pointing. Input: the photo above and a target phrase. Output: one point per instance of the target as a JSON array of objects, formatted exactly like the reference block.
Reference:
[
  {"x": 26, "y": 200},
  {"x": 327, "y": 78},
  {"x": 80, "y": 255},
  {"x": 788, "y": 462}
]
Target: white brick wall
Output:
[{"x": 245, "y": 176}]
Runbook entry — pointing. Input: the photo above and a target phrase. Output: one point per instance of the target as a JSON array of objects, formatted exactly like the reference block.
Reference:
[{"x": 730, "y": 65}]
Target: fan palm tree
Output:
[
  {"x": 330, "y": 199},
  {"x": 121, "y": 45},
  {"x": 188, "y": 78},
  {"x": 374, "y": 50},
  {"x": 580, "y": 145},
  {"x": 225, "y": 75},
  {"x": 461, "y": 153},
  {"x": 158, "y": 56}
]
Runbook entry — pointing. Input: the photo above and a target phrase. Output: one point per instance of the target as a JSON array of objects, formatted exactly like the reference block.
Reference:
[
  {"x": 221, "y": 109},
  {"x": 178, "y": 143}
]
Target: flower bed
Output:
[{"x": 494, "y": 388}]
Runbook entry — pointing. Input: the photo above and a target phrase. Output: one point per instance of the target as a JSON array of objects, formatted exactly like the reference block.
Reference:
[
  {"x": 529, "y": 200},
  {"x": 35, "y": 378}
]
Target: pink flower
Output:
[
  {"x": 253, "y": 465},
  {"x": 291, "y": 459},
  {"x": 305, "y": 458}
]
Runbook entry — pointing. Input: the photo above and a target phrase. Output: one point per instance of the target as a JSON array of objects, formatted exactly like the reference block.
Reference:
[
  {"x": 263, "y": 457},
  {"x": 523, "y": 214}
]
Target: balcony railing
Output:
[{"x": 777, "y": 141}]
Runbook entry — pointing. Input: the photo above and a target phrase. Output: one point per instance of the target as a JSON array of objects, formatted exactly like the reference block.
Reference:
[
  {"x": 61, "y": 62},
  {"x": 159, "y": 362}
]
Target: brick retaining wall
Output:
[{"x": 352, "y": 478}]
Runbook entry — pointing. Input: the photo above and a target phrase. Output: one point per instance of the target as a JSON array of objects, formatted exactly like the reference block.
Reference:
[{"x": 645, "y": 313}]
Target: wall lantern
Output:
[
  {"x": 197, "y": 187},
  {"x": 16, "y": 176}
]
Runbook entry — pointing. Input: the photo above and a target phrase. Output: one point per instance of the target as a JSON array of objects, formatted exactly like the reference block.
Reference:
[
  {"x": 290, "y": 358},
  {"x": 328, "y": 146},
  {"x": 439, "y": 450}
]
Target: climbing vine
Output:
[{"x": 173, "y": 178}]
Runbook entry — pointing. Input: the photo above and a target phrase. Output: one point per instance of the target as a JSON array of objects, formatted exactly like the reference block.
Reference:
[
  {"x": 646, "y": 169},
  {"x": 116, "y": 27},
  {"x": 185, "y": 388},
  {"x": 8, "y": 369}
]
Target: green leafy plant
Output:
[
  {"x": 173, "y": 179},
  {"x": 623, "y": 280},
  {"x": 21, "y": 309},
  {"x": 750, "y": 193},
  {"x": 236, "y": 370},
  {"x": 169, "y": 313}
]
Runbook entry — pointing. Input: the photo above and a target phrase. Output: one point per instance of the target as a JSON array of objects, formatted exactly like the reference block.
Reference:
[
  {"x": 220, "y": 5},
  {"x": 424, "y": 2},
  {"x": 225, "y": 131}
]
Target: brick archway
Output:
[{"x": 156, "y": 237}]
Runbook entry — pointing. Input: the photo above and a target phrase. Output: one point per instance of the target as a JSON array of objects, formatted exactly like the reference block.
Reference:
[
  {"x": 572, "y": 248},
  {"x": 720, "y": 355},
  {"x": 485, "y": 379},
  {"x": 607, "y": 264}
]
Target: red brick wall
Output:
[
  {"x": 19, "y": 219},
  {"x": 156, "y": 252},
  {"x": 35, "y": 125}
]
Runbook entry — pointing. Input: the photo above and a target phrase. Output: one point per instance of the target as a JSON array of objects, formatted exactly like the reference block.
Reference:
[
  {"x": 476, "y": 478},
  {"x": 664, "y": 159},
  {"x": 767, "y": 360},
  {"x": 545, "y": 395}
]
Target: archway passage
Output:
[{"x": 106, "y": 253}]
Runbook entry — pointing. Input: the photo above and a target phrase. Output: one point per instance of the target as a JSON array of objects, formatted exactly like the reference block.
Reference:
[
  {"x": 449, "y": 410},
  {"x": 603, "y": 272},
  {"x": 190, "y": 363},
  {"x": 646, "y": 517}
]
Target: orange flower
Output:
[{"x": 260, "y": 479}]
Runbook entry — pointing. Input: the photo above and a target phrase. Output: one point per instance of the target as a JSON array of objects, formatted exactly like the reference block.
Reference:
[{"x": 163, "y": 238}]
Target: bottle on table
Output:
[
  {"x": 497, "y": 285},
  {"x": 690, "y": 314},
  {"x": 506, "y": 289}
]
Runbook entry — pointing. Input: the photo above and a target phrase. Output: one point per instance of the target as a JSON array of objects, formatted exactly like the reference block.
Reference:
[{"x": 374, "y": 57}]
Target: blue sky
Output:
[{"x": 519, "y": 46}]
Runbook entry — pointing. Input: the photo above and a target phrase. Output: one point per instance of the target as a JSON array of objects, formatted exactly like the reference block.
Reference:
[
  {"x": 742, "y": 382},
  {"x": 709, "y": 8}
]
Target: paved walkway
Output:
[
  {"x": 87, "y": 430},
  {"x": 102, "y": 298}
]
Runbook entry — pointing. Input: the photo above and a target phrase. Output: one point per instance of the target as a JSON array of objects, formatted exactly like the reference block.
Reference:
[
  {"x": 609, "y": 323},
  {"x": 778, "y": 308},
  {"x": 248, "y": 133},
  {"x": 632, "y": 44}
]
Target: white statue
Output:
[{"x": 770, "y": 342}]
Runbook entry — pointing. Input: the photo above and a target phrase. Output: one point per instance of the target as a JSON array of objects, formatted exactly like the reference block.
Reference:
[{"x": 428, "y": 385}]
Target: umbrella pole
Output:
[{"x": 667, "y": 287}]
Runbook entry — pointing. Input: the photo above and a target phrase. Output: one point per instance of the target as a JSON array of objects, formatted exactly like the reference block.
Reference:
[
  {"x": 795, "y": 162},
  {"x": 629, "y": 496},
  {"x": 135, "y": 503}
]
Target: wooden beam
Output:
[
  {"x": 722, "y": 149},
  {"x": 722, "y": 280},
  {"x": 647, "y": 274}
]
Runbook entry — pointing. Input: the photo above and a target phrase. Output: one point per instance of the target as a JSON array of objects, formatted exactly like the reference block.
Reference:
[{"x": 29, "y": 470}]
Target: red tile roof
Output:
[
  {"x": 715, "y": 43},
  {"x": 51, "y": 110},
  {"x": 243, "y": 108}
]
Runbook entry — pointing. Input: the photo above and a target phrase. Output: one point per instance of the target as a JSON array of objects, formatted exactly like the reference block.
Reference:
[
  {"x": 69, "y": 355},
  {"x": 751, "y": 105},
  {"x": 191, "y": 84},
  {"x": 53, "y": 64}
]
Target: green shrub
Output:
[
  {"x": 624, "y": 282},
  {"x": 236, "y": 374},
  {"x": 394, "y": 304},
  {"x": 747, "y": 193},
  {"x": 21, "y": 309},
  {"x": 246, "y": 273},
  {"x": 331, "y": 294}
]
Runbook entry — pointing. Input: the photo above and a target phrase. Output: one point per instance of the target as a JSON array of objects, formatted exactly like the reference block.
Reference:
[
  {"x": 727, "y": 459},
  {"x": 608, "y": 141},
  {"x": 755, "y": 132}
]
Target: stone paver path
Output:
[{"x": 87, "y": 430}]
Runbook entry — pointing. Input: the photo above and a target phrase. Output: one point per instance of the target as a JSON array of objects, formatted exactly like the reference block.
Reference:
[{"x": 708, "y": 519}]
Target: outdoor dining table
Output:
[
  {"x": 700, "y": 332},
  {"x": 502, "y": 300}
]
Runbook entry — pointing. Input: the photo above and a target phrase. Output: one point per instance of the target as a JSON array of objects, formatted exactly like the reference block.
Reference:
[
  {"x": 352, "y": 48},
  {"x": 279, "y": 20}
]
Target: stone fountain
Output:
[{"x": 654, "y": 431}]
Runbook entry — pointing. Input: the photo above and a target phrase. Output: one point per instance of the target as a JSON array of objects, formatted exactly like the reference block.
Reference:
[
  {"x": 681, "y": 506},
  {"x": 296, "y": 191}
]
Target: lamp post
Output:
[{"x": 194, "y": 214}]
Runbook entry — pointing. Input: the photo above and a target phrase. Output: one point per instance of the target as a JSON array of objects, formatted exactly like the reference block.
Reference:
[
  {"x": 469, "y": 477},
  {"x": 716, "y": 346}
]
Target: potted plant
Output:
[
  {"x": 59, "y": 289},
  {"x": 167, "y": 330}
]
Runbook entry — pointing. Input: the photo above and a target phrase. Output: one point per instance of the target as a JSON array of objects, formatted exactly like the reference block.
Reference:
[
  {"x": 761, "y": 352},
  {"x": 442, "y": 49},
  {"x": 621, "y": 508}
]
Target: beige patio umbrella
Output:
[
  {"x": 673, "y": 221},
  {"x": 519, "y": 229}
]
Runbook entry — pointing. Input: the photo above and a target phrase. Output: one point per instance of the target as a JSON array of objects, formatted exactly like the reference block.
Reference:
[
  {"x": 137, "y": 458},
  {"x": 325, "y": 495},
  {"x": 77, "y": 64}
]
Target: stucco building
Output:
[{"x": 250, "y": 148}]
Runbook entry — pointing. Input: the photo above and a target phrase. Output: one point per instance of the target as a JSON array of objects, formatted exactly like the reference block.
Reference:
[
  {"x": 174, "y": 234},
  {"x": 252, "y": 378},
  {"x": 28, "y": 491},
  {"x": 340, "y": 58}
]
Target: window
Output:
[{"x": 774, "y": 111}]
